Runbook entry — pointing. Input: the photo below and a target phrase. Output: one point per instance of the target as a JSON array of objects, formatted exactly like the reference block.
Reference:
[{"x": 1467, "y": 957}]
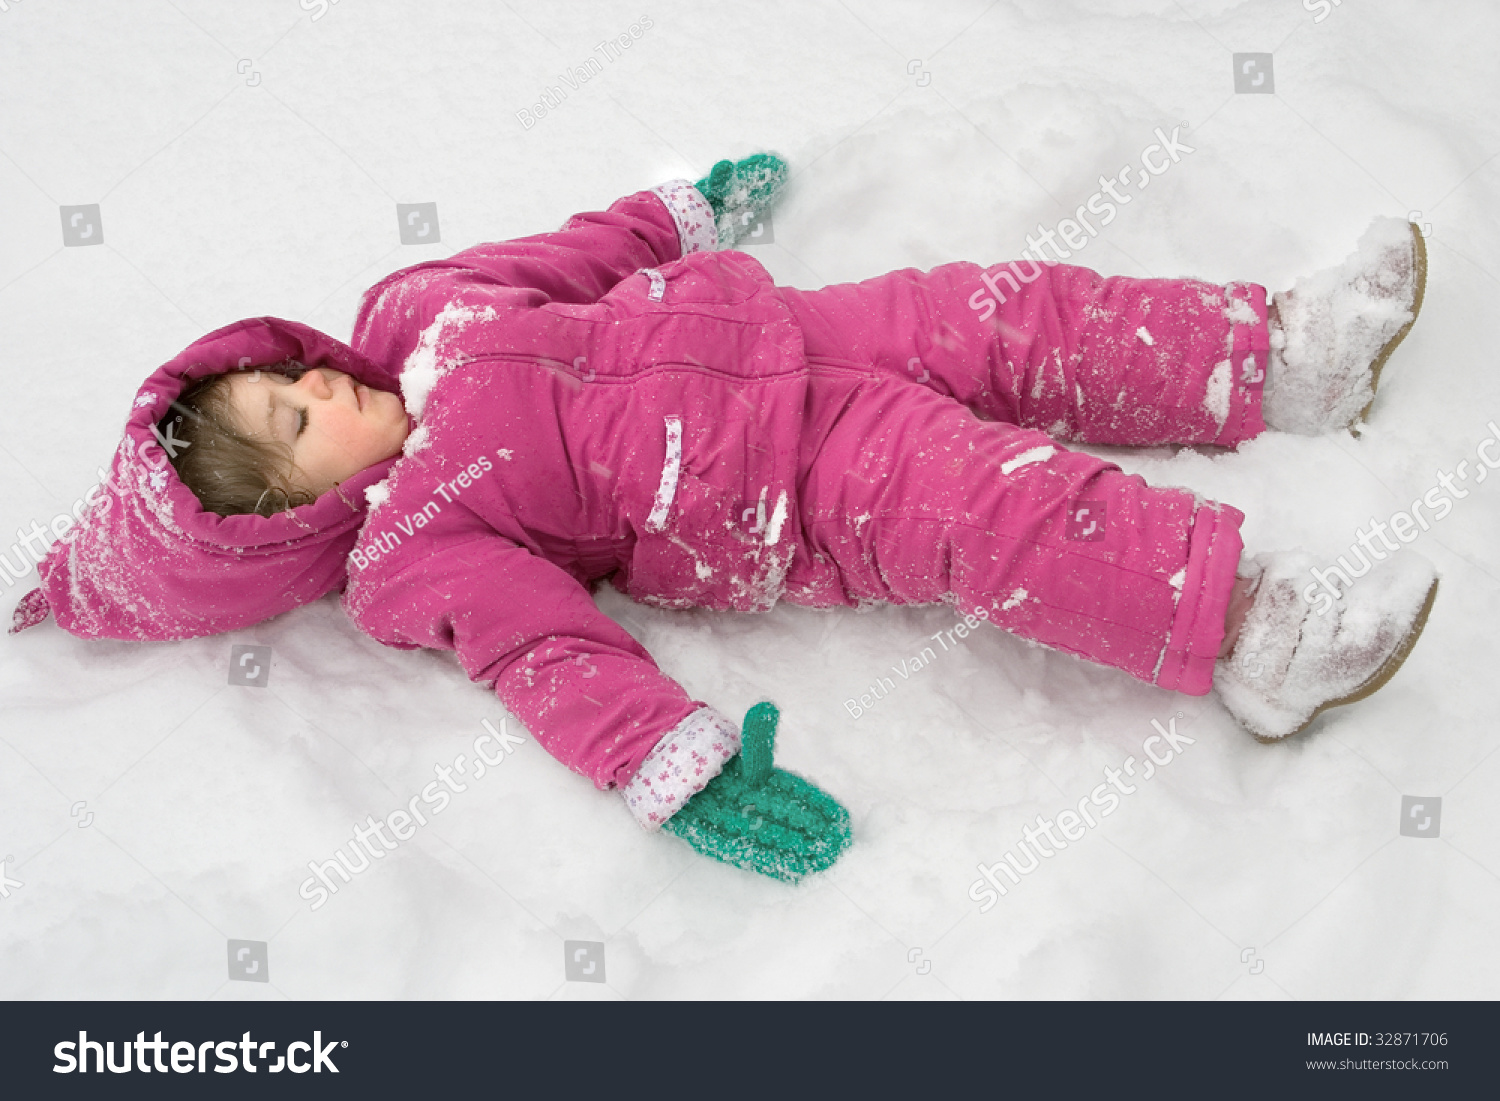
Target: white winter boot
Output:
[
  {"x": 1332, "y": 333},
  {"x": 1304, "y": 649}
]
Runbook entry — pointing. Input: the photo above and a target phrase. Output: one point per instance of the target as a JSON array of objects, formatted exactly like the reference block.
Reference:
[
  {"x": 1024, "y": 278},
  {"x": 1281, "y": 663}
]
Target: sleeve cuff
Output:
[
  {"x": 692, "y": 214},
  {"x": 680, "y": 766}
]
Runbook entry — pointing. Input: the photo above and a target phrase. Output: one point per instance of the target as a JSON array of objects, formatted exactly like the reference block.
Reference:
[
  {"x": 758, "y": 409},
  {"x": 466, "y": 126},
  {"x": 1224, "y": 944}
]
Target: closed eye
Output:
[{"x": 301, "y": 421}]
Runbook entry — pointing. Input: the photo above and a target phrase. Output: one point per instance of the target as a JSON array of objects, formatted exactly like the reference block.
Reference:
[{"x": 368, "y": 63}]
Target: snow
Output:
[
  {"x": 378, "y": 494},
  {"x": 1240, "y": 312},
  {"x": 423, "y": 368},
  {"x": 1217, "y": 396},
  {"x": 150, "y": 811},
  {"x": 1027, "y": 458},
  {"x": 778, "y": 518},
  {"x": 416, "y": 440}
]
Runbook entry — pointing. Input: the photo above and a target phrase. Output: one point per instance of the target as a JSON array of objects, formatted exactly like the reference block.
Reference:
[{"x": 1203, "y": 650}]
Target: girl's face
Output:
[{"x": 335, "y": 426}]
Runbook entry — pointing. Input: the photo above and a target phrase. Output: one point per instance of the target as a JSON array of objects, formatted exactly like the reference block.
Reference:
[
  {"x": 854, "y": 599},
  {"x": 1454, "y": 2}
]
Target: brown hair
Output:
[{"x": 229, "y": 472}]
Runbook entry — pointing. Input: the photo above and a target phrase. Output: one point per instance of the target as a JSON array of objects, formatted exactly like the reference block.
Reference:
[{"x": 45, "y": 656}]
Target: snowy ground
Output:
[{"x": 247, "y": 159}]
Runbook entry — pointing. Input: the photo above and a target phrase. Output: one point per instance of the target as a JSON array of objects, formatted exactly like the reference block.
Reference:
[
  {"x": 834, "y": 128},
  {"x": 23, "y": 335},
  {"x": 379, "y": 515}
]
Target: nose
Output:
[{"x": 314, "y": 383}]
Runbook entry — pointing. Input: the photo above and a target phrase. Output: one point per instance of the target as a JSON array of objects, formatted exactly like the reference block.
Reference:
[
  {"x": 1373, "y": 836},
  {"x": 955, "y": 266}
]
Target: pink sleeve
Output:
[
  {"x": 586, "y": 690},
  {"x": 584, "y": 259},
  {"x": 577, "y": 265},
  {"x": 592, "y": 252}
]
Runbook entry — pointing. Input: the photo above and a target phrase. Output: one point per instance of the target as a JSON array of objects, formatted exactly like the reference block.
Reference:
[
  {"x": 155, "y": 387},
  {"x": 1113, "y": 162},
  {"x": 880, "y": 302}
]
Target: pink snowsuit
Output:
[
  {"x": 615, "y": 400},
  {"x": 707, "y": 439}
]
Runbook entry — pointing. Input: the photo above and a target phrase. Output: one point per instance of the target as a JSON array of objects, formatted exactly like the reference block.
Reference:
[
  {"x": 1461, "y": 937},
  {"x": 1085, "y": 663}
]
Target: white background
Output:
[{"x": 224, "y": 196}]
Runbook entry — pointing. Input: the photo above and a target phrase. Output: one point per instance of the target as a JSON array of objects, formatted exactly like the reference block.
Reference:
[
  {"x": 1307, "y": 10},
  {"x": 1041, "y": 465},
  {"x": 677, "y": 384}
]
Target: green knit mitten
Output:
[
  {"x": 740, "y": 192},
  {"x": 761, "y": 818}
]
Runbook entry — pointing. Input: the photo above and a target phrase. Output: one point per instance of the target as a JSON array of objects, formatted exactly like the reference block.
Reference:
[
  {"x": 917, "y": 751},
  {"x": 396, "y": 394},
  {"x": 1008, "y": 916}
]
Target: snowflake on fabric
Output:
[
  {"x": 158, "y": 480},
  {"x": 145, "y": 399},
  {"x": 505, "y": 453},
  {"x": 378, "y": 494}
]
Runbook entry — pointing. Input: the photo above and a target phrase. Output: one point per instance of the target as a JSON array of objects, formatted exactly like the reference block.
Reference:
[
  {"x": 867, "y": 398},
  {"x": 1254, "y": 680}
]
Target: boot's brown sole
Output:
[
  {"x": 1419, "y": 246},
  {"x": 1377, "y": 679}
]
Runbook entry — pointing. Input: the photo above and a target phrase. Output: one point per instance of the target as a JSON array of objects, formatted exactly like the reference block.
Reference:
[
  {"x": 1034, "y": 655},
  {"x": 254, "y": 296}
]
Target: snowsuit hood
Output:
[{"x": 147, "y": 562}]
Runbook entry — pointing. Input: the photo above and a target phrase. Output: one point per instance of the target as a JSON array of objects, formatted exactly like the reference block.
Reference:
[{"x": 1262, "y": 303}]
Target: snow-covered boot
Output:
[
  {"x": 1306, "y": 647},
  {"x": 1332, "y": 333}
]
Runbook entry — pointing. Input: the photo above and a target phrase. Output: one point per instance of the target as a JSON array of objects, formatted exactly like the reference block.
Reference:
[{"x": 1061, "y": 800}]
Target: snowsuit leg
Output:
[
  {"x": 1132, "y": 362},
  {"x": 906, "y": 496}
]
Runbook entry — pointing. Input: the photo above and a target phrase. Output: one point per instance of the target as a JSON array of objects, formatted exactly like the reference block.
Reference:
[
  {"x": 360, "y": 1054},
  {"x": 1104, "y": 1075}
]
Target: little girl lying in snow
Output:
[{"x": 626, "y": 399}]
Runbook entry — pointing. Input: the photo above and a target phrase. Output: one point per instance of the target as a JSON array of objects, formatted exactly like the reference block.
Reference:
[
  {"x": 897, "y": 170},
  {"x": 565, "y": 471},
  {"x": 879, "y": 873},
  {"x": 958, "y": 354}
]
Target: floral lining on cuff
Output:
[
  {"x": 680, "y": 766},
  {"x": 691, "y": 212}
]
